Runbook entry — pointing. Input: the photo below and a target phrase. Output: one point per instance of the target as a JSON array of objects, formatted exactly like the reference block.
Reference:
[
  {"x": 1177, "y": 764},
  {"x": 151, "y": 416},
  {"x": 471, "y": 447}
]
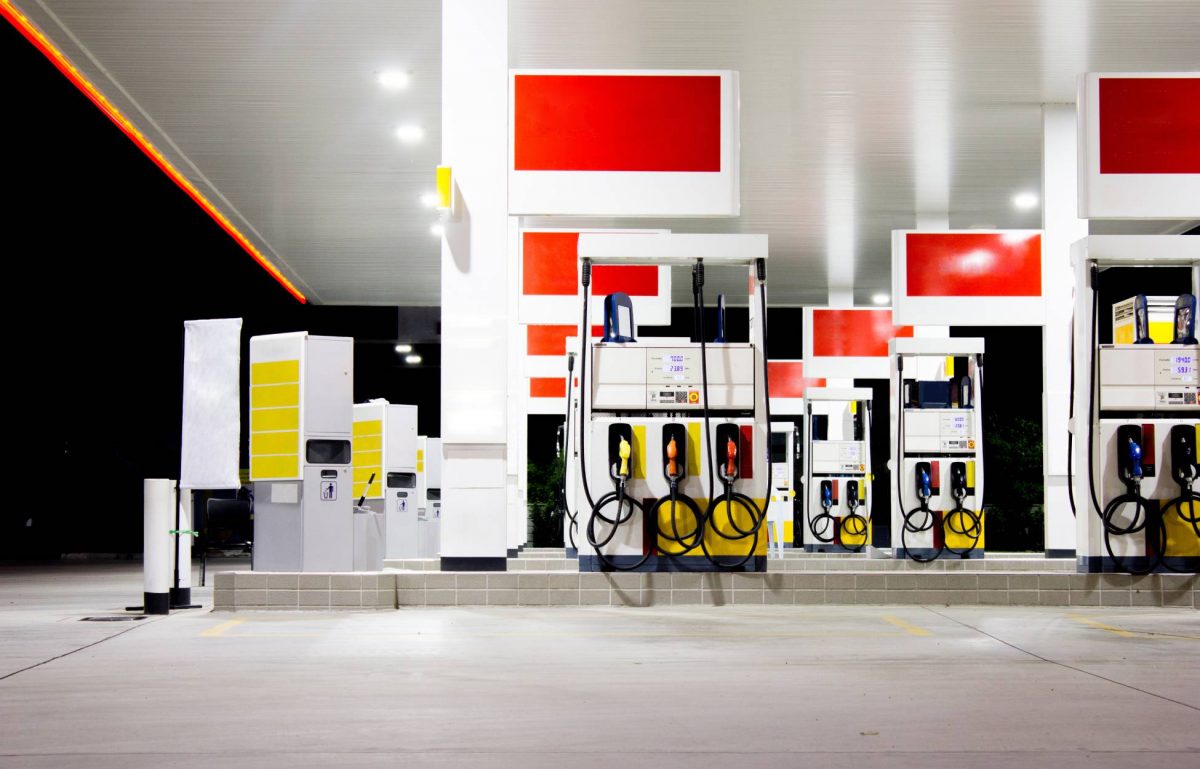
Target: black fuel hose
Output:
[
  {"x": 859, "y": 527},
  {"x": 822, "y": 524}
]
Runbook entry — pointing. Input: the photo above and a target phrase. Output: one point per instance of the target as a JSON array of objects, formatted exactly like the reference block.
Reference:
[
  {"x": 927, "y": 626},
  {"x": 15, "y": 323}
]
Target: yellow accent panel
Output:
[
  {"x": 693, "y": 449},
  {"x": 949, "y": 366},
  {"x": 445, "y": 189},
  {"x": 853, "y": 407},
  {"x": 274, "y": 443},
  {"x": 274, "y": 396},
  {"x": 262, "y": 420},
  {"x": 854, "y": 538},
  {"x": 970, "y": 474},
  {"x": 363, "y": 472},
  {"x": 714, "y": 542},
  {"x": 639, "y": 451},
  {"x": 788, "y": 533},
  {"x": 962, "y": 541},
  {"x": 274, "y": 372},
  {"x": 420, "y": 460},
  {"x": 367, "y": 459},
  {"x": 282, "y": 466},
  {"x": 1162, "y": 332},
  {"x": 367, "y": 443},
  {"x": 1181, "y": 537},
  {"x": 368, "y": 427},
  {"x": 1123, "y": 334}
]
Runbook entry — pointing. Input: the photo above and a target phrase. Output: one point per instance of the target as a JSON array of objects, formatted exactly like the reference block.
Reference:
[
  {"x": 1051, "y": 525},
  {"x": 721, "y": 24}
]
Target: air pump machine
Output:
[
  {"x": 674, "y": 471},
  {"x": 937, "y": 431},
  {"x": 837, "y": 469},
  {"x": 301, "y": 419},
  {"x": 1135, "y": 416}
]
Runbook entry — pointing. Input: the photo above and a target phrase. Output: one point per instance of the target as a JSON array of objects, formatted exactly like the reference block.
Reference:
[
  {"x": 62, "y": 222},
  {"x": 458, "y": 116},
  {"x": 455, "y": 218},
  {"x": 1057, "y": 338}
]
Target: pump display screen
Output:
[
  {"x": 673, "y": 364},
  {"x": 1184, "y": 364}
]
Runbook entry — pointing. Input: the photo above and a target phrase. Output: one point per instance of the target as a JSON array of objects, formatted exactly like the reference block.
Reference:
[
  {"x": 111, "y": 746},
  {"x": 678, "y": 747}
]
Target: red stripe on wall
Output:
[
  {"x": 787, "y": 379},
  {"x": 617, "y": 123},
  {"x": 1150, "y": 125},
  {"x": 547, "y": 387},
  {"x": 854, "y": 333},
  {"x": 973, "y": 264},
  {"x": 548, "y": 340},
  {"x": 549, "y": 263},
  {"x": 639, "y": 280}
]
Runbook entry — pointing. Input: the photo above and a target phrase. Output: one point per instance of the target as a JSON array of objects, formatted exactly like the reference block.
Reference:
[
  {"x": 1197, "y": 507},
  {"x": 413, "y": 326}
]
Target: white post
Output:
[
  {"x": 158, "y": 506},
  {"x": 1062, "y": 227},
  {"x": 181, "y": 594},
  {"x": 474, "y": 527}
]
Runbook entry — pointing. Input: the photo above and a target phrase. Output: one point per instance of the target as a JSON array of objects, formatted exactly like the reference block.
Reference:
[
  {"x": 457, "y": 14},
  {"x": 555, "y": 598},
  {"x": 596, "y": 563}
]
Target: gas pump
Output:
[
  {"x": 837, "y": 469},
  {"x": 673, "y": 468},
  {"x": 937, "y": 429},
  {"x": 781, "y": 509},
  {"x": 1137, "y": 420}
]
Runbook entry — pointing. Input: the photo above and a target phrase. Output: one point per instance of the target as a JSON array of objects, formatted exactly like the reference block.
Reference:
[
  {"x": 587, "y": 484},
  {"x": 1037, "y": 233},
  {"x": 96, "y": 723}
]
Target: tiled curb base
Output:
[
  {"x": 309, "y": 592},
  {"x": 248, "y": 590},
  {"x": 800, "y": 562}
]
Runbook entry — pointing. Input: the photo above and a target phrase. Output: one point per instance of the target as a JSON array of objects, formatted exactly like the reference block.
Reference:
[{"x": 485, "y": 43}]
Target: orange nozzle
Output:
[
  {"x": 730, "y": 457},
  {"x": 672, "y": 453}
]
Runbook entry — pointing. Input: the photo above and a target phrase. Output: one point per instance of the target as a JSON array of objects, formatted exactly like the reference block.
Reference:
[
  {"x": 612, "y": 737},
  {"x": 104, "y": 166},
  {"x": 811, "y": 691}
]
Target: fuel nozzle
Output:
[
  {"x": 924, "y": 486},
  {"x": 826, "y": 495},
  {"x": 624, "y": 452},
  {"x": 958, "y": 481},
  {"x": 1133, "y": 452},
  {"x": 672, "y": 465},
  {"x": 731, "y": 450}
]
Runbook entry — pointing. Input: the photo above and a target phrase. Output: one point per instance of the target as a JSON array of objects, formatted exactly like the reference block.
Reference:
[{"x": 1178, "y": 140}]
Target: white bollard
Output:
[{"x": 158, "y": 499}]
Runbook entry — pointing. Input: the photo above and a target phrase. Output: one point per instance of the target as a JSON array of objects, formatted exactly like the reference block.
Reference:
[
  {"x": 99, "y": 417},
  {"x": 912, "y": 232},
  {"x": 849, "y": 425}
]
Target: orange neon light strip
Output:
[{"x": 43, "y": 44}]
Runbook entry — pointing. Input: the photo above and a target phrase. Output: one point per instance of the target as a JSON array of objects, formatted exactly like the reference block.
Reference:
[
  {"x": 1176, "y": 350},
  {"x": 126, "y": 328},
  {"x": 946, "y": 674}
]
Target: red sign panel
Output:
[
  {"x": 617, "y": 123},
  {"x": 854, "y": 333},
  {"x": 548, "y": 340},
  {"x": 787, "y": 379},
  {"x": 973, "y": 264},
  {"x": 549, "y": 268},
  {"x": 547, "y": 387},
  {"x": 1149, "y": 125}
]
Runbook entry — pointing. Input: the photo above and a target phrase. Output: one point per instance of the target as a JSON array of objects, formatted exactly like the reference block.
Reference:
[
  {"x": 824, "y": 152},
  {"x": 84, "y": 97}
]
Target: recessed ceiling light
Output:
[
  {"x": 1025, "y": 201},
  {"x": 393, "y": 79},
  {"x": 437, "y": 230},
  {"x": 880, "y": 298},
  {"x": 410, "y": 133},
  {"x": 412, "y": 358},
  {"x": 429, "y": 199},
  {"x": 403, "y": 348}
]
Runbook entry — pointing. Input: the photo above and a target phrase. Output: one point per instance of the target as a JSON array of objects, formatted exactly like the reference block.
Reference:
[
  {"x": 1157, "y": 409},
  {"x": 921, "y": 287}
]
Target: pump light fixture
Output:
[
  {"x": 413, "y": 359},
  {"x": 404, "y": 348},
  {"x": 437, "y": 229},
  {"x": 880, "y": 299}
]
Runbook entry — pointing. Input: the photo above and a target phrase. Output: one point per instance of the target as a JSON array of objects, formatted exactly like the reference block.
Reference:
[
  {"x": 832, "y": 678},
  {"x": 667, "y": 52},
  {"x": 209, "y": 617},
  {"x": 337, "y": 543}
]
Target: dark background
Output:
[{"x": 118, "y": 257}]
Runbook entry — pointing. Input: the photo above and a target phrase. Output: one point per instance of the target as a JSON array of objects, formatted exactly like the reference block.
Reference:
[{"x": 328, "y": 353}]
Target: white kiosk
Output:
[{"x": 837, "y": 469}]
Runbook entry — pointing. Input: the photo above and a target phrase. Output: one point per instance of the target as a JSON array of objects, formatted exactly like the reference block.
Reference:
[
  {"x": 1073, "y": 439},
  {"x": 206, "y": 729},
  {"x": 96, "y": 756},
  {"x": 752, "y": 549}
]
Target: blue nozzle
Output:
[
  {"x": 1135, "y": 459},
  {"x": 826, "y": 494}
]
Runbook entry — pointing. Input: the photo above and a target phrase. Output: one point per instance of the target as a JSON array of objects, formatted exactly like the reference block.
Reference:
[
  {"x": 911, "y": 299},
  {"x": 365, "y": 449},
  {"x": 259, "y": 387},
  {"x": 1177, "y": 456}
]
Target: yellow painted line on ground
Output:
[
  {"x": 1102, "y": 626},
  {"x": 219, "y": 630},
  {"x": 907, "y": 627}
]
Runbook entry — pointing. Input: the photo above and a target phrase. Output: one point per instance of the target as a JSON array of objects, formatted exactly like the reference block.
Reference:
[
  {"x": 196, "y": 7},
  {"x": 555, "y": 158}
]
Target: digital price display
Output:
[
  {"x": 1184, "y": 364},
  {"x": 673, "y": 364}
]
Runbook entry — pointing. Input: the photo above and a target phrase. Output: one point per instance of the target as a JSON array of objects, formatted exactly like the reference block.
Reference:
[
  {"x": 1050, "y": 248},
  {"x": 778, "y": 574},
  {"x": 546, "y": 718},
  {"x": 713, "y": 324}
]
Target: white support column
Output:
[
  {"x": 516, "y": 398},
  {"x": 475, "y": 304},
  {"x": 1062, "y": 227}
]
